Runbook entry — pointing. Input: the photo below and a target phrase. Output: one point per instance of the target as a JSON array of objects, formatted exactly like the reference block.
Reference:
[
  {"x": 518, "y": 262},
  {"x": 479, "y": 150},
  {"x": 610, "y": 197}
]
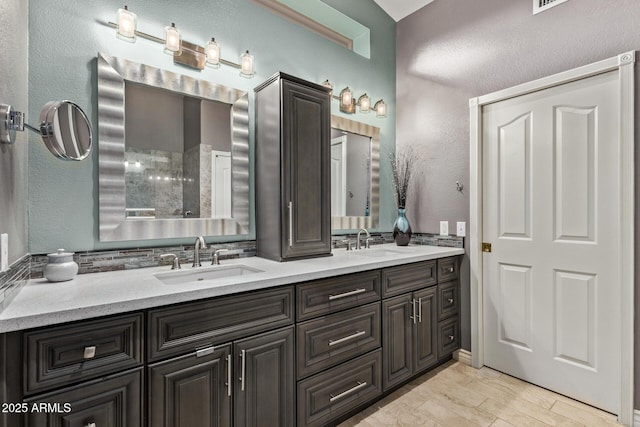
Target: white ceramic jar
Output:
[{"x": 61, "y": 266}]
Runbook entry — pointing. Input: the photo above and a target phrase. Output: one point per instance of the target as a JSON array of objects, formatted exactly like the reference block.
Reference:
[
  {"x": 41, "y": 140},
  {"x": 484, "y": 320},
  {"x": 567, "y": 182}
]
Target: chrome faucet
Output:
[
  {"x": 200, "y": 244},
  {"x": 366, "y": 243},
  {"x": 215, "y": 260}
]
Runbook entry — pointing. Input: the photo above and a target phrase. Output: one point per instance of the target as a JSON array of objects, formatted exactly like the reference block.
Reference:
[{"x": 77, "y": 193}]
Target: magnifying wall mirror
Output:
[{"x": 64, "y": 127}]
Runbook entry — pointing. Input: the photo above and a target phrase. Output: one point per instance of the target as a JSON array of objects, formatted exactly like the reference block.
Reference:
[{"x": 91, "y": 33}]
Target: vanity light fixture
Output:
[
  {"x": 127, "y": 22},
  {"x": 246, "y": 65},
  {"x": 213, "y": 53},
  {"x": 348, "y": 102},
  {"x": 381, "y": 109},
  {"x": 172, "y": 40},
  {"x": 184, "y": 52}
]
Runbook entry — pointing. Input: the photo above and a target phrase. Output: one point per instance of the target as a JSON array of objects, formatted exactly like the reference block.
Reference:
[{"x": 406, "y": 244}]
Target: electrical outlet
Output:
[
  {"x": 444, "y": 228},
  {"x": 461, "y": 229},
  {"x": 4, "y": 252}
]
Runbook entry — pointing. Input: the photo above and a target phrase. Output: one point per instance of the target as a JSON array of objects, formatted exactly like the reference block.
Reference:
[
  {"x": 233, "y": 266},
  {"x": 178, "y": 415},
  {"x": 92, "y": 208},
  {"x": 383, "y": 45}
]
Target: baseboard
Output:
[
  {"x": 636, "y": 418},
  {"x": 462, "y": 356}
]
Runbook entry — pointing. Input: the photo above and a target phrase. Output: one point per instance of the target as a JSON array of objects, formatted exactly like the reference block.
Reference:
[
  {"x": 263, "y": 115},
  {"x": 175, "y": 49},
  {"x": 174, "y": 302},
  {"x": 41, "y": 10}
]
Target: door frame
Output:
[{"x": 624, "y": 63}]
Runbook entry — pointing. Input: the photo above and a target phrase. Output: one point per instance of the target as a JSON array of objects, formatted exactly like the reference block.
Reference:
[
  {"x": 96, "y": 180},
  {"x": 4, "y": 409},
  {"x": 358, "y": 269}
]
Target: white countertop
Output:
[{"x": 41, "y": 303}]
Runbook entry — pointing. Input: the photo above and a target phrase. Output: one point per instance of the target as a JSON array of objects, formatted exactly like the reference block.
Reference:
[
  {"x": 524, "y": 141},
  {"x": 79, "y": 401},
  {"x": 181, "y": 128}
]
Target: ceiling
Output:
[{"x": 398, "y": 9}]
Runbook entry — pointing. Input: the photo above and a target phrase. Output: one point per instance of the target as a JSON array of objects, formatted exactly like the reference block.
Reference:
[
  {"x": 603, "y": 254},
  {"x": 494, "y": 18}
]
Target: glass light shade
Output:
[
  {"x": 213, "y": 53},
  {"x": 346, "y": 96},
  {"x": 127, "y": 22},
  {"x": 172, "y": 40},
  {"x": 328, "y": 84},
  {"x": 246, "y": 65},
  {"x": 381, "y": 109},
  {"x": 365, "y": 103}
]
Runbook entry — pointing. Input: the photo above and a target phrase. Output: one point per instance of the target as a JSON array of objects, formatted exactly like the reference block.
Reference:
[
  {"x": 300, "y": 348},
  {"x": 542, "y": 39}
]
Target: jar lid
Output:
[{"x": 60, "y": 253}]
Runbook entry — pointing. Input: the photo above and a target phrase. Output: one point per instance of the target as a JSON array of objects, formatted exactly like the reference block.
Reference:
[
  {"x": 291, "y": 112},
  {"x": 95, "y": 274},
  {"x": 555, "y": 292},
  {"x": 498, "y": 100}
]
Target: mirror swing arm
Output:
[{"x": 70, "y": 143}]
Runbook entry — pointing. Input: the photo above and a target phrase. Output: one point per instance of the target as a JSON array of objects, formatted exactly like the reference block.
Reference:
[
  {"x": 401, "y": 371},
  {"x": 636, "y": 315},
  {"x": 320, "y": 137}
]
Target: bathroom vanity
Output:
[{"x": 250, "y": 342}]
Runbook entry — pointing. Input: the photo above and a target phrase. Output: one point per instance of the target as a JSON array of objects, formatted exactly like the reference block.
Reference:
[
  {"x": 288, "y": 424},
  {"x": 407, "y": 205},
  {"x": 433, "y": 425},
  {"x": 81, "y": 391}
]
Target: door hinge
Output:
[{"x": 486, "y": 247}]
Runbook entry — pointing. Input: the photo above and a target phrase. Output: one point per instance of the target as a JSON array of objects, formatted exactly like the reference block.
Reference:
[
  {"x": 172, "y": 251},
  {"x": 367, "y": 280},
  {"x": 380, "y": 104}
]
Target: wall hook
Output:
[{"x": 459, "y": 186}]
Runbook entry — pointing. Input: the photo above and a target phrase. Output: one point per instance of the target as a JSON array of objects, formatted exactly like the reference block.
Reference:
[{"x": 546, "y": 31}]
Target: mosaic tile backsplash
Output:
[
  {"x": 93, "y": 262},
  {"x": 13, "y": 279}
]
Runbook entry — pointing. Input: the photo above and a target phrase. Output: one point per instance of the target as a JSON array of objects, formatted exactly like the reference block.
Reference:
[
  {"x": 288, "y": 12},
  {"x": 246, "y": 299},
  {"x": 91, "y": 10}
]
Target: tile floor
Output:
[{"x": 458, "y": 395}]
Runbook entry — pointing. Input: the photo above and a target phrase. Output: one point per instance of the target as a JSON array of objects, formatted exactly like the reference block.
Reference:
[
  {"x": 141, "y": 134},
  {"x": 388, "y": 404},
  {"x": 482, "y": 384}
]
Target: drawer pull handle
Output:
[
  {"x": 347, "y": 294},
  {"x": 413, "y": 311},
  {"x": 451, "y": 337},
  {"x": 243, "y": 370},
  {"x": 204, "y": 351},
  {"x": 90, "y": 425},
  {"x": 450, "y": 300},
  {"x": 290, "y": 224},
  {"x": 229, "y": 361},
  {"x": 89, "y": 352},
  {"x": 348, "y": 392},
  {"x": 347, "y": 338}
]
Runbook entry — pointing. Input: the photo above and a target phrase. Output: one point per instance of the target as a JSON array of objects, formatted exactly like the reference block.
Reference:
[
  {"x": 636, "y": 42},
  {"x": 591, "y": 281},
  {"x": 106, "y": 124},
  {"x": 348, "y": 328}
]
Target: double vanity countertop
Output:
[{"x": 42, "y": 303}]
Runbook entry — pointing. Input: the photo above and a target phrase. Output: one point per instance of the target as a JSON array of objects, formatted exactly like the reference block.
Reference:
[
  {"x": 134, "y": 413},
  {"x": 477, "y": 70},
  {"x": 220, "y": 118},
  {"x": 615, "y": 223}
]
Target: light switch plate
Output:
[
  {"x": 461, "y": 229},
  {"x": 444, "y": 228},
  {"x": 4, "y": 252}
]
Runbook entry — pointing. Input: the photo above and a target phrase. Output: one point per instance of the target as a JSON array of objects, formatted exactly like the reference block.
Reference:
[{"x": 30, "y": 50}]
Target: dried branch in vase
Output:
[{"x": 403, "y": 165}]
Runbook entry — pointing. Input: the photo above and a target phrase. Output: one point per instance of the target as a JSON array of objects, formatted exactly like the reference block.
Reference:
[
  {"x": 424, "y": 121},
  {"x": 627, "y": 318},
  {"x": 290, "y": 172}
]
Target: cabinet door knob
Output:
[
  {"x": 450, "y": 300},
  {"x": 90, "y": 425},
  {"x": 451, "y": 337},
  {"x": 90, "y": 353},
  {"x": 450, "y": 269}
]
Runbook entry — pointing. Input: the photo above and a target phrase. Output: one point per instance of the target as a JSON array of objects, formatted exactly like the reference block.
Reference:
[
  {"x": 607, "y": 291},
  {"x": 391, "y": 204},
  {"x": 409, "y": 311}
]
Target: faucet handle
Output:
[
  {"x": 215, "y": 260},
  {"x": 367, "y": 243},
  {"x": 175, "y": 261},
  {"x": 348, "y": 243}
]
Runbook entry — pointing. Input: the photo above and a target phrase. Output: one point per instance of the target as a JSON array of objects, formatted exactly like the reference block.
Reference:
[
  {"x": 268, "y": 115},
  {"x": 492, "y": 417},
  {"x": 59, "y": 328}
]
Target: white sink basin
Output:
[
  {"x": 205, "y": 274},
  {"x": 374, "y": 253}
]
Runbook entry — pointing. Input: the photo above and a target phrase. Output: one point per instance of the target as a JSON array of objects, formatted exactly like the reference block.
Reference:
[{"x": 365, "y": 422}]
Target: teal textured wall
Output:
[{"x": 66, "y": 35}]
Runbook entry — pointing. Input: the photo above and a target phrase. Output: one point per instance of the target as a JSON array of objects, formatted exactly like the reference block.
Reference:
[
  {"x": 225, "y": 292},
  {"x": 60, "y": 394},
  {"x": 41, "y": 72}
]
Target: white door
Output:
[
  {"x": 339, "y": 176},
  {"x": 551, "y": 211},
  {"x": 221, "y": 185}
]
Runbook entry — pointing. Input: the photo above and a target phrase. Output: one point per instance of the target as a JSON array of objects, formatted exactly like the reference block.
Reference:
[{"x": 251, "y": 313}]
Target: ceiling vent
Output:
[{"x": 542, "y": 5}]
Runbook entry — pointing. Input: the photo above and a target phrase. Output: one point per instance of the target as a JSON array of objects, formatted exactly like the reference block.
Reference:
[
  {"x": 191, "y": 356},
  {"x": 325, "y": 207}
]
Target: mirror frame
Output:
[
  {"x": 356, "y": 222},
  {"x": 112, "y": 74}
]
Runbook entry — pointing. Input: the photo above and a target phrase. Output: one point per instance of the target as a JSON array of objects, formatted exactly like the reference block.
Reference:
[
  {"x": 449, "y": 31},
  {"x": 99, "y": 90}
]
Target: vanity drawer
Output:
[
  {"x": 447, "y": 269},
  {"x": 407, "y": 278},
  {"x": 184, "y": 328},
  {"x": 329, "y": 340},
  {"x": 325, "y": 296},
  {"x": 326, "y": 396},
  {"x": 70, "y": 353},
  {"x": 448, "y": 337},
  {"x": 448, "y": 300}
]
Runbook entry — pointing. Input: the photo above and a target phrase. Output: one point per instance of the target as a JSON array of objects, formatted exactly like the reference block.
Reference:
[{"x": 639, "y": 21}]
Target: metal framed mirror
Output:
[
  {"x": 355, "y": 175},
  {"x": 119, "y": 220}
]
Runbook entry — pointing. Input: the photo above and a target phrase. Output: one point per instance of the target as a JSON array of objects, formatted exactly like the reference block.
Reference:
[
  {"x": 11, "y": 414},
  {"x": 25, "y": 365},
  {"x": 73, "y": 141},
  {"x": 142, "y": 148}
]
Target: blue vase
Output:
[{"x": 402, "y": 228}]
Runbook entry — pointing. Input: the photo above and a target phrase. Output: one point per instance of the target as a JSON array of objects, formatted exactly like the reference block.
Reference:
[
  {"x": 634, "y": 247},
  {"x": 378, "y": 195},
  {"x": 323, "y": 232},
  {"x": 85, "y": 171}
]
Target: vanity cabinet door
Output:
[
  {"x": 264, "y": 391},
  {"x": 424, "y": 331},
  {"x": 192, "y": 390},
  {"x": 397, "y": 336},
  {"x": 109, "y": 401},
  {"x": 306, "y": 127}
]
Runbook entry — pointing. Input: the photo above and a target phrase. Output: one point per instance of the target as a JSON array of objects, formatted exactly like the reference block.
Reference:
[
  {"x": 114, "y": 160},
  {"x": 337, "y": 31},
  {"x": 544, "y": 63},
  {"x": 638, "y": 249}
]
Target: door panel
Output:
[{"x": 551, "y": 210}]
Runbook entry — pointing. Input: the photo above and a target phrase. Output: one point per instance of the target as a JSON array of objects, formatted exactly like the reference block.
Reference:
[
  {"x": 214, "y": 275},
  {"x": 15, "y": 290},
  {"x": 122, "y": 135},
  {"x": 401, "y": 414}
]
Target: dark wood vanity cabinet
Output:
[
  {"x": 249, "y": 382},
  {"x": 293, "y": 169},
  {"x": 420, "y": 326}
]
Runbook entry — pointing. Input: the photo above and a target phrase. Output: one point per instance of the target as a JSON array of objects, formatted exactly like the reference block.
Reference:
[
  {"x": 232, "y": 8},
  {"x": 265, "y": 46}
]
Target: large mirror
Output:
[
  {"x": 173, "y": 154},
  {"x": 355, "y": 174}
]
